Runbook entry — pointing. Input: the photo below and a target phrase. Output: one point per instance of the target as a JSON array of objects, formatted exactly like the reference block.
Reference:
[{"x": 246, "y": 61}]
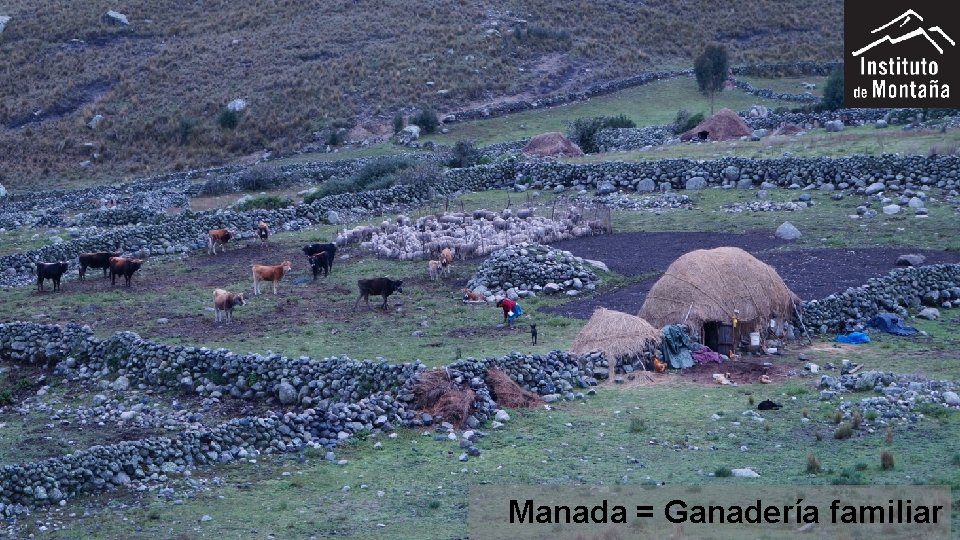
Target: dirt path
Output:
[{"x": 810, "y": 273}]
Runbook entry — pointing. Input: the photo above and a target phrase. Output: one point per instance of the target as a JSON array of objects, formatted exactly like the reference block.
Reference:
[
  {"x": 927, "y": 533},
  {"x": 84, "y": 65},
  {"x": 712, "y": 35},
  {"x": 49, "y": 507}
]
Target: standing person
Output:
[{"x": 511, "y": 310}]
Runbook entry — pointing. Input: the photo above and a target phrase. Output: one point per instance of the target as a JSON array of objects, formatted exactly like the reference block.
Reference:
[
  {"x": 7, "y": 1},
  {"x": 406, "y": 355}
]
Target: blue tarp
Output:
[
  {"x": 888, "y": 322},
  {"x": 854, "y": 338}
]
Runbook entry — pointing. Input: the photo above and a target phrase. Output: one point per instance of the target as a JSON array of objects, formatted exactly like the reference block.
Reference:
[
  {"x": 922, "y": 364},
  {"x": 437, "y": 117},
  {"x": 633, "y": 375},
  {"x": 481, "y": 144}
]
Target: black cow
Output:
[
  {"x": 382, "y": 286},
  {"x": 320, "y": 262},
  {"x": 122, "y": 266},
  {"x": 51, "y": 271},
  {"x": 99, "y": 259},
  {"x": 330, "y": 248}
]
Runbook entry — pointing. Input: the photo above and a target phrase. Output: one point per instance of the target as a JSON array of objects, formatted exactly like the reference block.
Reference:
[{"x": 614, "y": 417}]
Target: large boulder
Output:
[
  {"x": 287, "y": 393},
  {"x": 4, "y": 19},
  {"x": 646, "y": 185},
  {"x": 833, "y": 126},
  {"x": 875, "y": 187},
  {"x": 550, "y": 145},
  {"x": 787, "y": 231},
  {"x": 911, "y": 259},
  {"x": 115, "y": 17},
  {"x": 697, "y": 182},
  {"x": 3, "y": 191}
]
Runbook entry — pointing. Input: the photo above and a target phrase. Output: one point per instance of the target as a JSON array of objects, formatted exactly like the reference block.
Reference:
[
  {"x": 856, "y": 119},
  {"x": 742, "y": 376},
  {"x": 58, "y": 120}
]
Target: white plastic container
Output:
[{"x": 754, "y": 339}]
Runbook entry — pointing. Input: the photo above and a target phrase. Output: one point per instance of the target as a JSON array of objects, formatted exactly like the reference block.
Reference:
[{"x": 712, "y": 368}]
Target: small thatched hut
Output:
[
  {"x": 617, "y": 335},
  {"x": 723, "y": 126},
  {"x": 705, "y": 289}
]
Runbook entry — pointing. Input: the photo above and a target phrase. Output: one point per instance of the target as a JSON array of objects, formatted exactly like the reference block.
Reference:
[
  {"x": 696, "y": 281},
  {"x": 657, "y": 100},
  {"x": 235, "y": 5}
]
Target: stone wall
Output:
[
  {"x": 337, "y": 397},
  {"x": 898, "y": 291}
]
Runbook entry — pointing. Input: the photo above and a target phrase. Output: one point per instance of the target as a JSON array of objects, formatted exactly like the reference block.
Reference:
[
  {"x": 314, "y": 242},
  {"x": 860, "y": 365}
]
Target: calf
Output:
[
  {"x": 470, "y": 296},
  {"x": 122, "y": 266},
  {"x": 434, "y": 268},
  {"x": 330, "y": 248},
  {"x": 269, "y": 273},
  {"x": 218, "y": 237},
  {"x": 446, "y": 256},
  {"x": 51, "y": 271},
  {"x": 224, "y": 301},
  {"x": 320, "y": 262},
  {"x": 263, "y": 232},
  {"x": 98, "y": 259},
  {"x": 377, "y": 286}
]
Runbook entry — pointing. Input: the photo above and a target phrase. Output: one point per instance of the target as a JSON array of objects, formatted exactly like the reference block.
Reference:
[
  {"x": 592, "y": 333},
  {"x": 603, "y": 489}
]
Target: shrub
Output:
[
  {"x": 684, "y": 121},
  {"x": 955, "y": 460},
  {"x": 228, "y": 119},
  {"x": 813, "y": 465},
  {"x": 861, "y": 466},
  {"x": 265, "y": 202},
  {"x": 398, "y": 123},
  {"x": 426, "y": 120},
  {"x": 722, "y": 472},
  {"x": 259, "y": 177},
  {"x": 843, "y": 431},
  {"x": 872, "y": 415},
  {"x": 888, "y": 436},
  {"x": 187, "y": 123},
  {"x": 380, "y": 174},
  {"x": 6, "y": 398},
  {"x": 637, "y": 425},
  {"x": 833, "y": 91},
  {"x": 313, "y": 453},
  {"x": 434, "y": 504},
  {"x": 856, "y": 420},
  {"x": 886, "y": 460},
  {"x": 837, "y": 417},
  {"x": 583, "y": 131},
  {"x": 463, "y": 154}
]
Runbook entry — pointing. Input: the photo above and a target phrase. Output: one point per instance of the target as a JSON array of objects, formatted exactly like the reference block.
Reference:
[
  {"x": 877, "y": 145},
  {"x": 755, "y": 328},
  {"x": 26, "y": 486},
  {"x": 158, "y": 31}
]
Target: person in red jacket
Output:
[{"x": 511, "y": 310}]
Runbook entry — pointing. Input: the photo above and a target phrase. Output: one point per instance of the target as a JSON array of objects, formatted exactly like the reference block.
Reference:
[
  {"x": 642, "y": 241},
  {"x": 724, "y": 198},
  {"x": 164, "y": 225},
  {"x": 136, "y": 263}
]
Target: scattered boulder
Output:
[
  {"x": 930, "y": 313},
  {"x": 951, "y": 398},
  {"x": 911, "y": 259},
  {"x": 745, "y": 473},
  {"x": 697, "y": 182},
  {"x": 874, "y": 188},
  {"x": 237, "y": 105},
  {"x": 787, "y": 231},
  {"x": 891, "y": 209},
  {"x": 115, "y": 17},
  {"x": 121, "y": 384},
  {"x": 646, "y": 185},
  {"x": 287, "y": 393},
  {"x": 3, "y": 191},
  {"x": 4, "y": 19},
  {"x": 833, "y": 126}
]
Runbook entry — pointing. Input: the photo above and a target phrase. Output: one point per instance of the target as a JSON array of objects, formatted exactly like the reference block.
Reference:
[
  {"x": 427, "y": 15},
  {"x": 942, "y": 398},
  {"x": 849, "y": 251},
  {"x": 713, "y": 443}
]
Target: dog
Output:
[
  {"x": 659, "y": 366},
  {"x": 533, "y": 334},
  {"x": 767, "y": 405}
]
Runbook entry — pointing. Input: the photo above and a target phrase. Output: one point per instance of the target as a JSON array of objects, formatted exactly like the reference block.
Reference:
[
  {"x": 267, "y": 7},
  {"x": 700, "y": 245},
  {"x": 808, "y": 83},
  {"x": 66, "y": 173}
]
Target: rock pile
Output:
[
  {"x": 898, "y": 291},
  {"x": 475, "y": 234},
  {"x": 619, "y": 139},
  {"x": 765, "y": 206},
  {"x": 652, "y": 202},
  {"x": 525, "y": 270}
]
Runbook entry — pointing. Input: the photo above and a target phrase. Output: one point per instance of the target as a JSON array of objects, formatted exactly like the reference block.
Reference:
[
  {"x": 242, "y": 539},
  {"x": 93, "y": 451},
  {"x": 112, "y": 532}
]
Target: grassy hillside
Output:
[{"x": 162, "y": 82}]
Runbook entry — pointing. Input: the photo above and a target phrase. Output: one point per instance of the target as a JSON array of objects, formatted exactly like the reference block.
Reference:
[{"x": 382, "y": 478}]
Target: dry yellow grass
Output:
[{"x": 161, "y": 82}]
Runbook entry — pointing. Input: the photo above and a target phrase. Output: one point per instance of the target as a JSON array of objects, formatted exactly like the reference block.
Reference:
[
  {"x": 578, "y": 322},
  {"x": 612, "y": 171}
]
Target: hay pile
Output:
[
  {"x": 552, "y": 144},
  {"x": 788, "y": 129},
  {"x": 708, "y": 285},
  {"x": 436, "y": 394},
  {"x": 616, "y": 334},
  {"x": 723, "y": 126},
  {"x": 507, "y": 393}
]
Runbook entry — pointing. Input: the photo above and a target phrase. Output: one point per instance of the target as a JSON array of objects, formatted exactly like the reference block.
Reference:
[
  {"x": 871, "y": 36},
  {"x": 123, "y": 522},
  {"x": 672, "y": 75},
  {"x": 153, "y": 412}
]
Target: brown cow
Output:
[
  {"x": 98, "y": 259},
  {"x": 269, "y": 273},
  {"x": 122, "y": 266},
  {"x": 218, "y": 237},
  {"x": 263, "y": 232},
  {"x": 224, "y": 301}
]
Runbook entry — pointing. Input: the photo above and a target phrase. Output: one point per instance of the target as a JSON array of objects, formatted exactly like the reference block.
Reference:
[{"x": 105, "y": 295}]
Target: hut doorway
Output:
[{"x": 718, "y": 336}]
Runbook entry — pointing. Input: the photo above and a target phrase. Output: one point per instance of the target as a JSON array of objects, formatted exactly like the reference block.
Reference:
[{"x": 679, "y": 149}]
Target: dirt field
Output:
[{"x": 810, "y": 273}]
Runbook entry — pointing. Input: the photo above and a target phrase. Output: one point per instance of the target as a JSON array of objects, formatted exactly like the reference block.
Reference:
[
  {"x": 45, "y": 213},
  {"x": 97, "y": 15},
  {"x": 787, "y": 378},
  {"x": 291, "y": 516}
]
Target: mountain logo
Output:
[{"x": 904, "y": 19}]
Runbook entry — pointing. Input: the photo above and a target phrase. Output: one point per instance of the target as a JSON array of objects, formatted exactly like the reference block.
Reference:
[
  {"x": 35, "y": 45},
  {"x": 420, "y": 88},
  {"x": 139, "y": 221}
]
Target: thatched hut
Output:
[
  {"x": 707, "y": 288},
  {"x": 619, "y": 336},
  {"x": 723, "y": 126}
]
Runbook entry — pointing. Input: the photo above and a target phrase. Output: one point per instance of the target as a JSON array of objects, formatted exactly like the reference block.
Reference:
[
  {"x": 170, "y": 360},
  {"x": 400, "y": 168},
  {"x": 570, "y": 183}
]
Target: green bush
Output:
[
  {"x": 722, "y": 472},
  {"x": 583, "y": 131},
  {"x": 228, "y": 119},
  {"x": 843, "y": 431},
  {"x": 258, "y": 178},
  {"x": 463, "y": 154},
  {"x": 380, "y": 174},
  {"x": 187, "y": 123},
  {"x": 265, "y": 202},
  {"x": 637, "y": 425},
  {"x": 398, "y": 123},
  {"x": 833, "y": 91},
  {"x": 426, "y": 120},
  {"x": 684, "y": 121},
  {"x": 6, "y": 397}
]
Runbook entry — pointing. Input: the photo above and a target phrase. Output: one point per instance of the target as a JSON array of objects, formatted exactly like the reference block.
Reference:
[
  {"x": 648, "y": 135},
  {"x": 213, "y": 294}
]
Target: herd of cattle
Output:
[{"x": 320, "y": 257}]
